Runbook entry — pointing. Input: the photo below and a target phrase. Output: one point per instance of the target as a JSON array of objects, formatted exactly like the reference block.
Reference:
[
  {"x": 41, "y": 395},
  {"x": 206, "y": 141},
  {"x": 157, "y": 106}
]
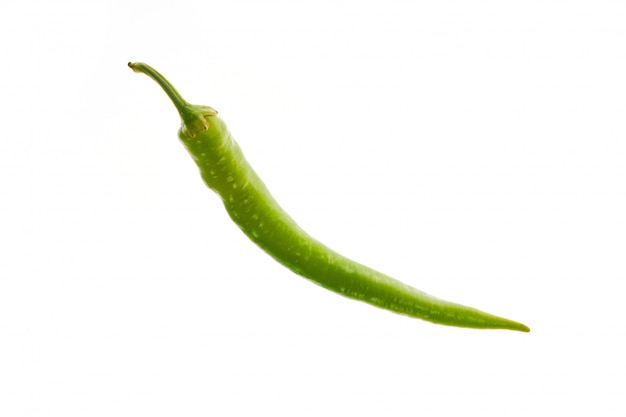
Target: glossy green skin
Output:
[{"x": 225, "y": 170}]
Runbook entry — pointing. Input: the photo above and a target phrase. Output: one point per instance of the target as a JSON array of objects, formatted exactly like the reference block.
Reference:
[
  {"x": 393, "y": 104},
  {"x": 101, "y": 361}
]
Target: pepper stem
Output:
[
  {"x": 194, "y": 118},
  {"x": 178, "y": 100}
]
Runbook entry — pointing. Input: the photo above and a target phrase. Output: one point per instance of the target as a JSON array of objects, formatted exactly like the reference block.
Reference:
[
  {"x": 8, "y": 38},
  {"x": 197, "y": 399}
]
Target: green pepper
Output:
[{"x": 250, "y": 205}]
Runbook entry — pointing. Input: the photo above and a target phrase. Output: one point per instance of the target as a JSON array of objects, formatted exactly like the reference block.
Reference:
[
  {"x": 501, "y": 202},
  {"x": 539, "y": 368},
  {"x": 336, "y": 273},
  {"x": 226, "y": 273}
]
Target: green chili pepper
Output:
[{"x": 225, "y": 170}]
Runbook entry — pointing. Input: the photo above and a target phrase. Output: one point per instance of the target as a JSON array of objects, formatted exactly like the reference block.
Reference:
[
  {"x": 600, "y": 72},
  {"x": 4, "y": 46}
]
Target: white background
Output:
[{"x": 473, "y": 149}]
